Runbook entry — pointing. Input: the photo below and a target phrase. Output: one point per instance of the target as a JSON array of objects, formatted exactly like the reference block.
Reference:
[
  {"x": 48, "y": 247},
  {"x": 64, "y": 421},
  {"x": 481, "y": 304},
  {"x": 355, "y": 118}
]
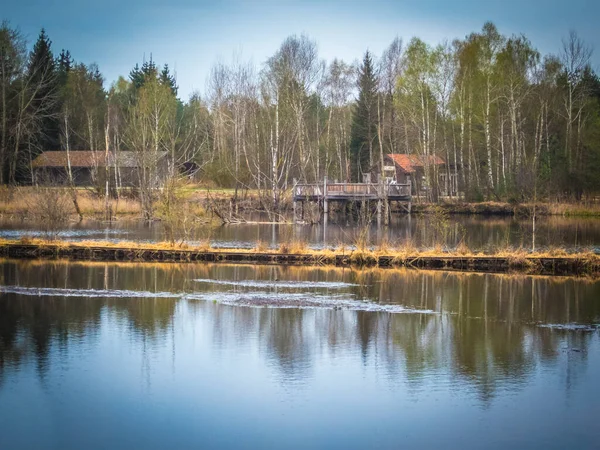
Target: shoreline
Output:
[
  {"x": 518, "y": 261},
  {"x": 208, "y": 205}
]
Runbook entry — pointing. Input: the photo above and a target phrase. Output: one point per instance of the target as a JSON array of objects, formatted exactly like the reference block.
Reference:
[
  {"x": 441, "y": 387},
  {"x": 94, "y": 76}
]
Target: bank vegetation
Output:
[
  {"x": 550, "y": 262},
  {"x": 512, "y": 124}
]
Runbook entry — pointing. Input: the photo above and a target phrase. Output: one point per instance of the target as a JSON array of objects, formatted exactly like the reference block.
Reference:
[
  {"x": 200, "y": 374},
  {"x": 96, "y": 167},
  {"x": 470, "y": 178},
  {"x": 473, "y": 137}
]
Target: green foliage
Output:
[
  {"x": 41, "y": 72},
  {"x": 509, "y": 123},
  {"x": 139, "y": 76},
  {"x": 173, "y": 211},
  {"x": 84, "y": 108},
  {"x": 363, "y": 140},
  {"x": 149, "y": 71}
]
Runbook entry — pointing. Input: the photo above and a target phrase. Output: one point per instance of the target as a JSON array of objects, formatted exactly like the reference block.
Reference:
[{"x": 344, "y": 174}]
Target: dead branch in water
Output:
[{"x": 217, "y": 210}]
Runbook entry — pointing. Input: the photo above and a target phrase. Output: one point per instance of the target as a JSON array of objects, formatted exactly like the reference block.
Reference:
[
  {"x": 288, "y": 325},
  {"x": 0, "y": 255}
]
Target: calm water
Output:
[
  {"x": 478, "y": 232},
  {"x": 216, "y": 356}
]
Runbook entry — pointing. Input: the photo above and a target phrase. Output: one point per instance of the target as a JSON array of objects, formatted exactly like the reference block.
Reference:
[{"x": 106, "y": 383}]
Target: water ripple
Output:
[{"x": 90, "y": 293}]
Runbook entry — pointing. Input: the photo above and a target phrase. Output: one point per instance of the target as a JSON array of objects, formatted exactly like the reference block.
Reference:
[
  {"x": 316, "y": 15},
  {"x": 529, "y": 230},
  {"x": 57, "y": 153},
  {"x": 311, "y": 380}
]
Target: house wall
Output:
[
  {"x": 128, "y": 177},
  {"x": 401, "y": 176},
  {"x": 58, "y": 176}
]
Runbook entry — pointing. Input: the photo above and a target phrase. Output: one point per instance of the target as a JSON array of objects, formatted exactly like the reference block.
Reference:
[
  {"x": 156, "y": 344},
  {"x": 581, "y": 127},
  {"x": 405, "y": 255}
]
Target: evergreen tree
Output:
[
  {"x": 139, "y": 76},
  {"x": 42, "y": 74},
  {"x": 363, "y": 134},
  {"x": 168, "y": 80},
  {"x": 64, "y": 64}
]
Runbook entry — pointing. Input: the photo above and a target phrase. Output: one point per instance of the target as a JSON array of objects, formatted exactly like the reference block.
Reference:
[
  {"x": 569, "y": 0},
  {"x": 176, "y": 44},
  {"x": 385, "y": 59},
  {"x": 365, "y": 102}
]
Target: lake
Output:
[
  {"x": 477, "y": 232},
  {"x": 125, "y": 355}
]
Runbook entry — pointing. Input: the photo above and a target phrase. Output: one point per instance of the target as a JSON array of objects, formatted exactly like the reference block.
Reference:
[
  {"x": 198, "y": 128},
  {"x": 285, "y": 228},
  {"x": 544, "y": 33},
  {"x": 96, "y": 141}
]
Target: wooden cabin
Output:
[
  {"x": 401, "y": 168},
  {"x": 89, "y": 167}
]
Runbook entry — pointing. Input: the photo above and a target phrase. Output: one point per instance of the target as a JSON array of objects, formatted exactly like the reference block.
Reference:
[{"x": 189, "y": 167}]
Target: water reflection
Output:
[
  {"x": 478, "y": 232},
  {"x": 104, "y": 351},
  {"x": 485, "y": 331}
]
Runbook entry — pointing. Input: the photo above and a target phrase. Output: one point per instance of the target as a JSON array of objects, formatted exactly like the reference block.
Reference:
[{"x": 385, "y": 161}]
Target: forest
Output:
[{"x": 513, "y": 124}]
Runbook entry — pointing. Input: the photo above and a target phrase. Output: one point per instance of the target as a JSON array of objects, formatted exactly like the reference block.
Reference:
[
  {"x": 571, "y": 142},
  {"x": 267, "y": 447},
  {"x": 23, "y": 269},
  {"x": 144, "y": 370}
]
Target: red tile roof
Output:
[{"x": 409, "y": 163}]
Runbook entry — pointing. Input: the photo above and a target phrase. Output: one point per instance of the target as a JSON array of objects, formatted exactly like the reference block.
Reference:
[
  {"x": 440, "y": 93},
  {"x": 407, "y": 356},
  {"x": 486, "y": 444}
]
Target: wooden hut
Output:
[
  {"x": 402, "y": 168},
  {"x": 89, "y": 168}
]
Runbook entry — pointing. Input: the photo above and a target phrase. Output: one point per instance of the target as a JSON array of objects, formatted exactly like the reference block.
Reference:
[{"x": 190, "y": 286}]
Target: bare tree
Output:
[{"x": 575, "y": 57}]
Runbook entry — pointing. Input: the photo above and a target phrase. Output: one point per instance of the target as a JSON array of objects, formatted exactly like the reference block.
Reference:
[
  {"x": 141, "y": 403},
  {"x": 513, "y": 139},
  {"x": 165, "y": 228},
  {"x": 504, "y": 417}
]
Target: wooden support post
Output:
[
  {"x": 325, "y": 202},
  {"x": 294, "y": 199},
  {"x": 379, "y": 213},
  {"x": 295, "y": 213}
]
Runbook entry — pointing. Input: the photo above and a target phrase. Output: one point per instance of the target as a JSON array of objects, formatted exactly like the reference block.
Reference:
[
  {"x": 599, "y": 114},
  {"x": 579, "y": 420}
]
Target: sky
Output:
[{"x": 191, "y": 36}]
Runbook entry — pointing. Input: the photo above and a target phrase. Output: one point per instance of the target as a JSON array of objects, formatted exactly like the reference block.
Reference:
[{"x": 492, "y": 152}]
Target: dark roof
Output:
[
  {"x": 87, "y": 158},
  {"x": 409, "y": 163}
]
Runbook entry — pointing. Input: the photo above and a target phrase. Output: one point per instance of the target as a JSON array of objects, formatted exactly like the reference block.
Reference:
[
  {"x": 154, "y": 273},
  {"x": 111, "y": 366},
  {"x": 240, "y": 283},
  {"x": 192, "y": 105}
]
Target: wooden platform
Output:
[{"x": 328, "y": 191}]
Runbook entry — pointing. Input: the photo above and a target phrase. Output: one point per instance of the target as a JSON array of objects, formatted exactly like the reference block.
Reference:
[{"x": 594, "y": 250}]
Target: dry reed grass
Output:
[
  {"x": 519, "y": 259},
  {"x": 261, "y": 246},
  {"x": 295, "y": 247}
]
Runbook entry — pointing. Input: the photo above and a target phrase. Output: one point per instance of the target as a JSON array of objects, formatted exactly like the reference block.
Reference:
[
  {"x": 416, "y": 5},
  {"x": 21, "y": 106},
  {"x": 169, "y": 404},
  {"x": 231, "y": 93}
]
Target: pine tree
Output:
[{"x": 363, "y": 135}]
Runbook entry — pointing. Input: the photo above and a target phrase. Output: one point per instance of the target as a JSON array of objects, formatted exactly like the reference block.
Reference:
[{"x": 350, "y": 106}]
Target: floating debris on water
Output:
[
  {"x": 301, "y": 301},
  {"x": 570, "y": 326},
  {"x": 279, "y": 284},
  {"x": 71, "y": 234}
]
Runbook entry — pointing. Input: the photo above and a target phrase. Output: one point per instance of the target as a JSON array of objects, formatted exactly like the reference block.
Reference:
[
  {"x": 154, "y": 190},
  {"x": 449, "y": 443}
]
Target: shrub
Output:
[{"x": 51, "y": 207}]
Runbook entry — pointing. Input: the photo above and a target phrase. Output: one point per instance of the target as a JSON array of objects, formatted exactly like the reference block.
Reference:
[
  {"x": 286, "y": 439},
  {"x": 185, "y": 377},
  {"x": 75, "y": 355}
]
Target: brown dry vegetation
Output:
[
  {"x": 509, "y": 209},
  {"x": 301, "y": 247},
  {"x": 17, "y": 201},
  {"x": 519, "y": 260}
]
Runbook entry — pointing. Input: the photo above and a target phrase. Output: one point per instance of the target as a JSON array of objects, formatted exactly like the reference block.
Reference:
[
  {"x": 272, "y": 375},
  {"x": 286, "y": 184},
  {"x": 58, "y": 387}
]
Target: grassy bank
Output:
[
  {"x": 555, "y": 262},
  {"x": 24, "y": 202},
  {"x": 509, "y": 209}
]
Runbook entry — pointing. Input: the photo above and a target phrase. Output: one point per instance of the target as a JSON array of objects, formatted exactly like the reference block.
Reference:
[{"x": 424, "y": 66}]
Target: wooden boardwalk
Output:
[{"x": 328, "y": 191}]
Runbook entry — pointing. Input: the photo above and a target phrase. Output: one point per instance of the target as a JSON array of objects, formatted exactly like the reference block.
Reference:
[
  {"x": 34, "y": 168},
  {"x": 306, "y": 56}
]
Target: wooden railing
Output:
[
  {"x": 350, "y": 190},
  {"x": 399, "y": 190},
  {"x": 308, "y": 190}
]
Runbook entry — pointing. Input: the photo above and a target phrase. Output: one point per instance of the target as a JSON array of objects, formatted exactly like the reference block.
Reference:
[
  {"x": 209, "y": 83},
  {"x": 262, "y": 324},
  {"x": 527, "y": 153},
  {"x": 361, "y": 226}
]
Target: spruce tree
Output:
[
  {"x": 139, "y": 76},
  {"x": 168, "y": 80},
  {"x": 42, "y": 76},
  {"x": 363, "y": 135},
  {"x": 64, "y": 64}
]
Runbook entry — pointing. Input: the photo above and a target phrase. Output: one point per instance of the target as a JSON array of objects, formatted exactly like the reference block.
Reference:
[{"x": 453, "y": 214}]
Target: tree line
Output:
[{"x": 510, "y": 123}]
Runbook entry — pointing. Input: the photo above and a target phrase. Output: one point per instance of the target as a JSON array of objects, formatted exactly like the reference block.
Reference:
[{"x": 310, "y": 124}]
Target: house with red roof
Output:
[{"x": 402, "y": 168}]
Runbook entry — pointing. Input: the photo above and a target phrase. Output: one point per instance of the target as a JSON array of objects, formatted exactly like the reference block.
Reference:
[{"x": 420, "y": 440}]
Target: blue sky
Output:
[{"x": 191, "y": 35}]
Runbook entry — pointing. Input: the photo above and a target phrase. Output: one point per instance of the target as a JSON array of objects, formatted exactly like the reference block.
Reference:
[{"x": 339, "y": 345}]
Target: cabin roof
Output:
[
  {"x": 87, "y": 158},
  {"x": 409, "y": 163}
]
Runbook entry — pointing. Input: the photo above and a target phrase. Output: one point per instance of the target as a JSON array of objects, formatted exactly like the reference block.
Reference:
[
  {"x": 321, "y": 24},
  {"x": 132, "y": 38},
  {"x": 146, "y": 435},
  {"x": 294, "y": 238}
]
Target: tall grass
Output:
[
  {"x": 294, "y": 247},
  {"x": 518, "y": 259}
]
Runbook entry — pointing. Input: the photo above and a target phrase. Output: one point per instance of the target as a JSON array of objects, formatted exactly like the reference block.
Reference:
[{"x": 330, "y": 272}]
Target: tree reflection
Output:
[{"x": 482, "y": 330}]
